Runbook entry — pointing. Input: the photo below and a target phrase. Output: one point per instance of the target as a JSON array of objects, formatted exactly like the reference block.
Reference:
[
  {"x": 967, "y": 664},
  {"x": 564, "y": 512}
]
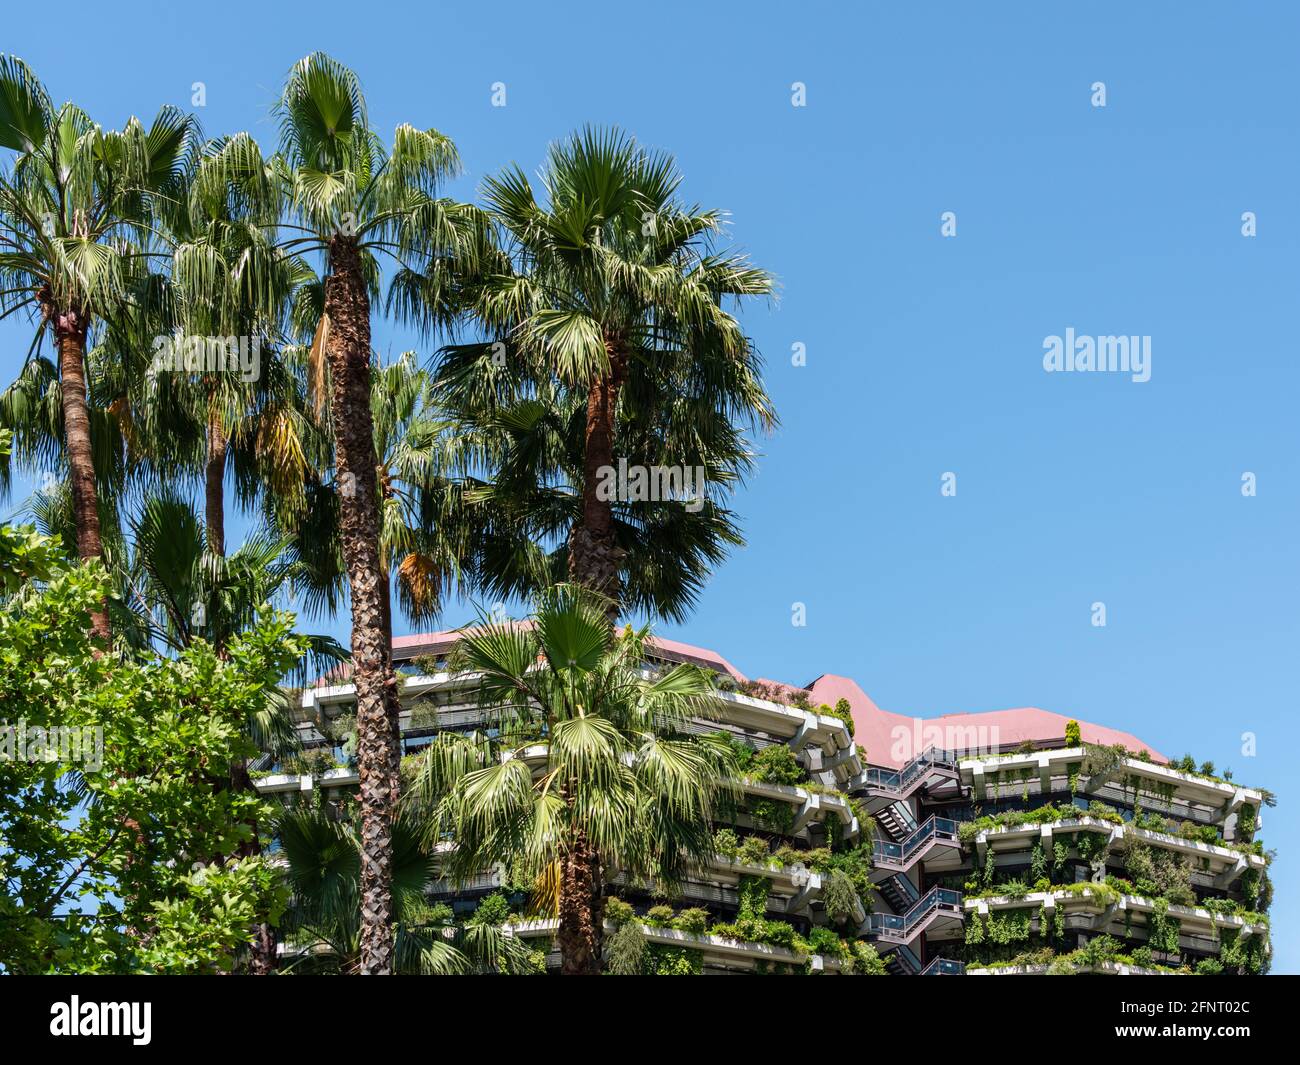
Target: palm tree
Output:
[
  {"x": 358, "y": 204},
  {"x": 533, "y": 447},
  {"x": 611, "y": 290},
  {"x": 322, "y": 923},
  {"x": 231, "y": 280},
  {"x": 82, "y": 211},
  {"x": 592, "y": 769}
]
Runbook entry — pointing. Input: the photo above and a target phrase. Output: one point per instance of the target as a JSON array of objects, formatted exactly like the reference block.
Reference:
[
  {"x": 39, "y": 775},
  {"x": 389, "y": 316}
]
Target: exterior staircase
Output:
[
  {"x": 897, "y": 820},
  {"x": 937, "y": 834},
  {"x": 936, "y": 906},
  {"x": 899, "y": 891},
  {"x": 932, "y": 770}
]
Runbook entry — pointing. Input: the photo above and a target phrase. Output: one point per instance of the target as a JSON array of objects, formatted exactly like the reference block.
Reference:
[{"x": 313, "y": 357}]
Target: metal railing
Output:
[
  {"x": 900, "y": 779},
  {"x": 899, "y": 853},
  {"x": 944, "y": 967},
  {"x": 901, "y": 926}
]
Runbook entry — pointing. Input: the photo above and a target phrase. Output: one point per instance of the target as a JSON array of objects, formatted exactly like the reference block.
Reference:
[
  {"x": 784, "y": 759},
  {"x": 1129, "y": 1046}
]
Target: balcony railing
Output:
[
  {"x": 900, "y": 853},
  {"x": 900, "y": 779},
  {"x": 901, "y": 925},
  {"x": 944, "y": 967}
]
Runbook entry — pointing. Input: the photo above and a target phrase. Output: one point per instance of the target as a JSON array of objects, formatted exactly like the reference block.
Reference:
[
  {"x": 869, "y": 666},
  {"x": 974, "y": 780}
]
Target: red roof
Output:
[{"x": 890, "y": 739}]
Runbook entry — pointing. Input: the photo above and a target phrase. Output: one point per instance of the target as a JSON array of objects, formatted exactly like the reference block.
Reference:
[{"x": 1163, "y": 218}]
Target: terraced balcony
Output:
[
  {"x": 810, "y": 807},
  {"x": 1212, "y": 866},
  {"x": 1101, "y": 910},
  {"x": 1184, "y": 796},
  {"x": 719, "y": 954}
]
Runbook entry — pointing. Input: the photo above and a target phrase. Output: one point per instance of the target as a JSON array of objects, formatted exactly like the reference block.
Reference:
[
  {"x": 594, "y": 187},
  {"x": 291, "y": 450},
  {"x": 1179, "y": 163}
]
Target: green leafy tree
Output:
[{"x": 117, "y": 853}]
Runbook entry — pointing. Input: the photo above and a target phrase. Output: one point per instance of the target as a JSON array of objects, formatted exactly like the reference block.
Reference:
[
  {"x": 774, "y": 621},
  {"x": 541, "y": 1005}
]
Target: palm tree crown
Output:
[
  {"x": 593, "y": 768},
  {"x": 610, "y": 292}
]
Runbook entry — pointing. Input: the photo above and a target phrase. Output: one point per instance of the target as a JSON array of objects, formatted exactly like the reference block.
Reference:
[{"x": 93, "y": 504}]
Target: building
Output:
[{"x": 1015, "y": 841}]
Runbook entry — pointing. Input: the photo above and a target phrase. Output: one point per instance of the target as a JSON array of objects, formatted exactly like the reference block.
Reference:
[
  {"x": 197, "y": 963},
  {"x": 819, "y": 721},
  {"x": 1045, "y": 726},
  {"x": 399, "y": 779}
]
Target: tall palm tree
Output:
[
  {"x": 231, "y": 280},
  {"x": 358, "y": 204},
  {"x": 615, "y": 781},
  {"x": 610, "y": 288},
  {"x": 82, "y": 210}
]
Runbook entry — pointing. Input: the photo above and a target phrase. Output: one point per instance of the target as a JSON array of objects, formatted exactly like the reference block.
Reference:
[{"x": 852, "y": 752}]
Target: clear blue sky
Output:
[{"x": 923, "y": 353}]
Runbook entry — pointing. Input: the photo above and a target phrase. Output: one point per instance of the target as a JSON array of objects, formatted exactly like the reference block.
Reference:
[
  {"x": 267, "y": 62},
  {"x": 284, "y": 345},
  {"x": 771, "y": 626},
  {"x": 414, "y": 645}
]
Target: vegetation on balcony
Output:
[
  {"x": 1095, "y": 956},
  {"x": 628, "y": 953}
]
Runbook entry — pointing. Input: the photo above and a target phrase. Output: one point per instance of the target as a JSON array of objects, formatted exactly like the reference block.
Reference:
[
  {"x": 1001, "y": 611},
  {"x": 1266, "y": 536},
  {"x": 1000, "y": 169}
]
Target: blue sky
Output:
[{"x": 924, "y": 353}]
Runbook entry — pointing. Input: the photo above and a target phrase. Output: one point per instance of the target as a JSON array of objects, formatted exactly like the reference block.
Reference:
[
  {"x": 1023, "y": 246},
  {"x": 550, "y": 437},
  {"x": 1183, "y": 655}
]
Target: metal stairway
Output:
[
  {"x": 897, "y": 820},
  {"x": 933, "y": 770},
  {"x": 938, "y": 833},
  {"x": 937, "y": 906},
  {"x": 899, "y": 891}
]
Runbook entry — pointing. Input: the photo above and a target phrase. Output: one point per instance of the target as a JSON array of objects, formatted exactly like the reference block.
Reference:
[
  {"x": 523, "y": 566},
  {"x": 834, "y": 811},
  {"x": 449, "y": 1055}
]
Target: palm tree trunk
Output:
[
  {"x": 581, "y": 911},
  {"x": 594, "y": 555},
  {"x": 214, "y": 475},
  {"x": 347, "y": 304},
  {"x": 70, "y": 333},
  {"x": 595, "y": 560}
]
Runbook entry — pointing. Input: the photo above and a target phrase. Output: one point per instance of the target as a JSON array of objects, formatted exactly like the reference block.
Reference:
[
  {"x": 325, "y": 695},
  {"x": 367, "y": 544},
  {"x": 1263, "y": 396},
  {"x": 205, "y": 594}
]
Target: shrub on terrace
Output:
[
  {"x": 841, "y": 710},
  {"x": 694, "y": 920},
  {"x": 493, "y": 910},
  {"x": 659, "y": 916},
  {"x": 777, "y": 764},
  {"x": 618, "y": 912},
  {"x": 866, "y": 962},
  {"x": 726, "y": 843},
  {"x": 755, "y": 850}
]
